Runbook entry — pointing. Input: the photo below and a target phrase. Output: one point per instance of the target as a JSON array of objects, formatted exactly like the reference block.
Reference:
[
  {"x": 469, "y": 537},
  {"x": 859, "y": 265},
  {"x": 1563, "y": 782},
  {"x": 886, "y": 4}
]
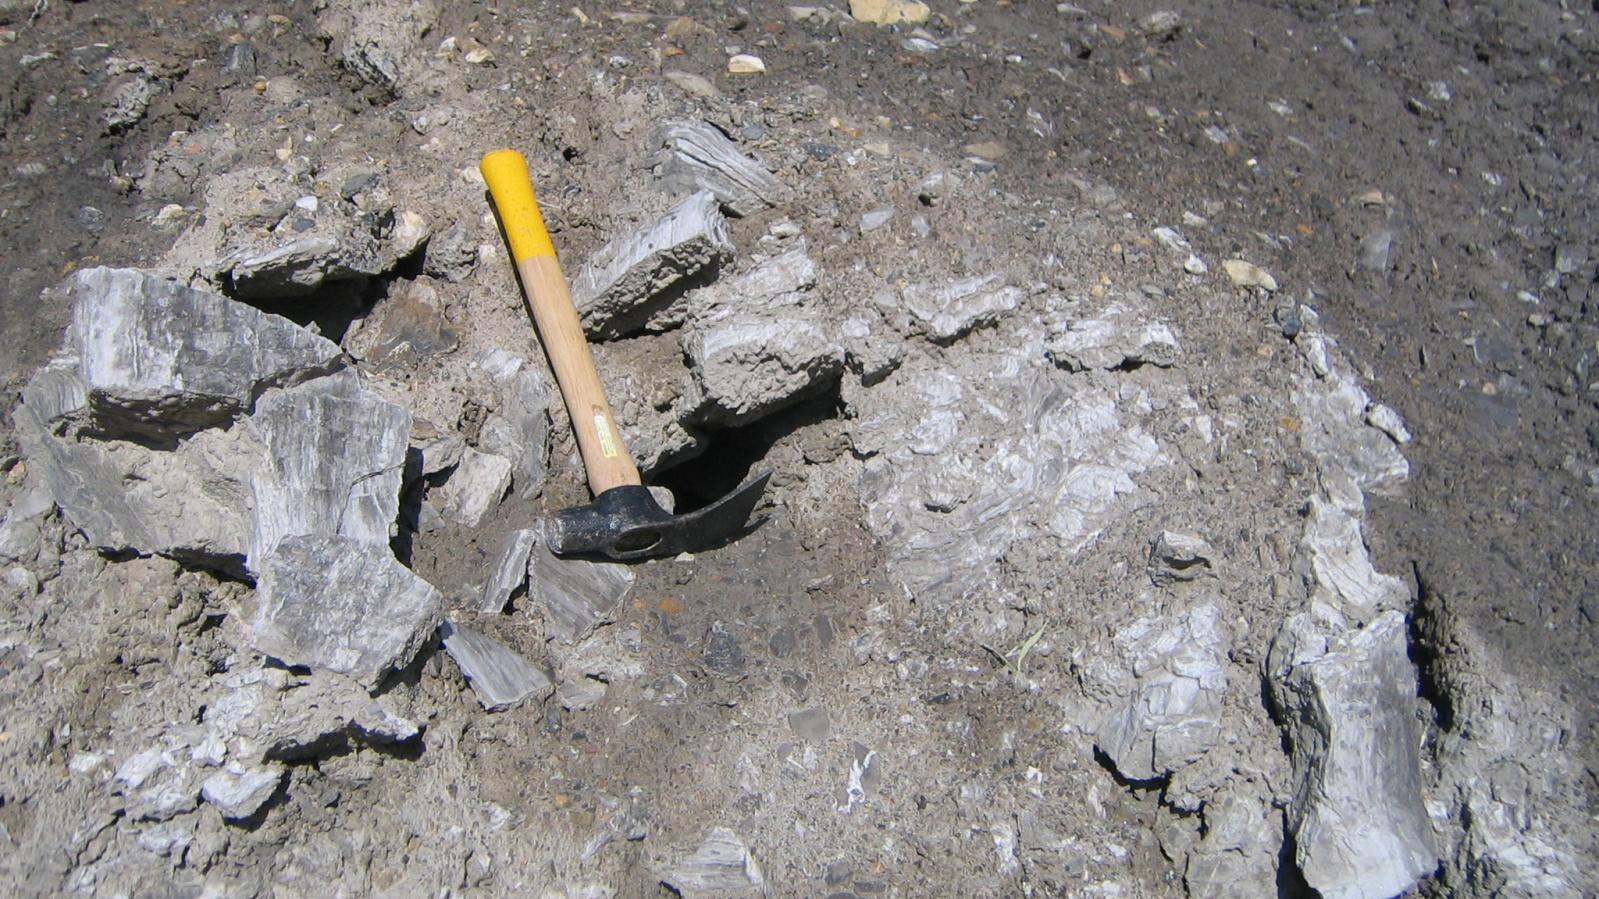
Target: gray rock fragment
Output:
[
  {"x": 510, "y": 570},
  {"x": 694, "y": 156},
  {"x": 302, "y": 265},
  {"x": 576, "y": 595},
  {"x": 1376, "y": 251},
  {"x": 623, "y": 284},
  {"x": 439, "y": 452},
  {"x": 279, "y": 243},
  {"x": 1180, "y": 556},
  {"x": 158, "y": 784},
  {"x": 1341, "y": 568},
  {"x": 451, "y": 254},
  {"x": 501, "y": 678},
  {"x": 1332, "y": 407},
  {"x": 265, "y": 713},
  {"x": 723, "y": 653},
  {"x": 811, "y": 725},
  {"x": 1239, "y": 852},
  {"x": 346, "y": 247},
  {"x": 342, "y": 604},
  {"x": 520, "y": 429},
  {"x": 1387, "y": 420},
  {"x": 238, "y": 792},
  {"x": 876, "y": 218},
  {"x": 947, "y": 312},
  {"x": 870, "y": 351},
  {"x": 403, "y": 328},
  {"x": 865, "y": 777},
  {"x": 755, "y": 345},
  {"x": 476, "y": 486},
  {"x": 20, "y": 532},
  {"x": 191, "y": 503},
  {"x": 1358, "y": 819},
  {"x": 335, "y": 456},
  {"x": 721, "y": 863},
  {"x": 380, "y": 41},
  {"x": 160, "y": 360},
  {"x": 1170, "y": 713},
  {"x": 1117, "y": 337}
]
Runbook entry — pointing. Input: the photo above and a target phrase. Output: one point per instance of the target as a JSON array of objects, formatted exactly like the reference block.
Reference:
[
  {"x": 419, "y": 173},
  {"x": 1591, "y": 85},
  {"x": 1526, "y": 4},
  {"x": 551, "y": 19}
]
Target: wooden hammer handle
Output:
[{"x": 598, "y": 440}]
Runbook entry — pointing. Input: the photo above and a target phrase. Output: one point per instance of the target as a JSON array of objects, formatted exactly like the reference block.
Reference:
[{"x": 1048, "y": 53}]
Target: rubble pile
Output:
[{"x": 1085, "y": 581}]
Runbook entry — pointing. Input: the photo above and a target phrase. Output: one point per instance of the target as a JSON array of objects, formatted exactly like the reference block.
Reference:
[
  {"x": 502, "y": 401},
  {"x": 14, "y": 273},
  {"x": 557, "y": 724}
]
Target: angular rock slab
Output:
[
  {"x": 621, "y": 286},
  {"x": 265, "y": 713},
  {"x": 238, "y": 792},
  {"x": 335, "y": 456},
  {"x": 344, "y": 605},
  {"x": 756, "y": 346},
  {"x": 947, "y": 312},
  {"x": 159, "y": 359},
  {"x": 721, "y": 864},
  {"x": 191, "y": 503},
  {"x": 1353, "y": 455},
  {"x": 520, "y": 429},
  {"x": 1116, "y": 337},
  {"x": 1172, "y": 713},
  {"x": 1359, "y": 821},
  {"x": 576, "y": 595},
  {"x": 476, "y": 486},
  {"x": 1344, "y": 577},
  {"x": 343, "y": 249},
  {"x": 693, "y": 156},
  {"x": 500, "y": 677},
  {"x": 510, "y": 570}
]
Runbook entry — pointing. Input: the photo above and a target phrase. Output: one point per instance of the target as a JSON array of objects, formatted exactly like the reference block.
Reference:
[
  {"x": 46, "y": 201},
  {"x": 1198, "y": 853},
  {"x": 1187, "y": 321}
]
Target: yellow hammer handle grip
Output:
[{"x": 505, "y": 172}]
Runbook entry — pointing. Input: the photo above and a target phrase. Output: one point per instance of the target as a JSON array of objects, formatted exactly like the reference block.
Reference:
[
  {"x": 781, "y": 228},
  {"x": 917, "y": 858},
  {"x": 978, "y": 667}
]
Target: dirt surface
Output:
[{"x": 1423, "y": 177}]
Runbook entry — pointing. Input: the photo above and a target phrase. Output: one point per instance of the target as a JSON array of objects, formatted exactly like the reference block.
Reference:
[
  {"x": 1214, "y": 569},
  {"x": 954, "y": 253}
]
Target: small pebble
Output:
[
  {"x": 876, "y": 218},
  {"x": 745, "y": 64},
  {"x": 1247, "y": 274},
  {"x": 169, "y": 216}
]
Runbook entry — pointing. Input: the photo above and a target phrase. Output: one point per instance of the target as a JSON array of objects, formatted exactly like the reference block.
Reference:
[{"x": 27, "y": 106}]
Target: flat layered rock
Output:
[
  {"x": 947, "y": 312},
  {"x": 757, "y": 344},
  {"x": 693, "y": 156},
  {"x": 575, "y": 595},
  {"x": 1116, "y": 337},
  {"x": 189, "y": 503},
  {"x": 501, "y": 678},
  {"x": 344, "y": 605},
  {"x": 1359, "y": 822},
  {"x": 158, "y": 359},
  {"x": 510, "y": 570},
  {"x": 334, "y": 458},
  {"x": 722, "y": 864},
  {"x": 475, "y": 487},
  {"x": 519, "y": 429},
  {"x": 628, "y": 280},
  {"x": 1174, "y": 680}
]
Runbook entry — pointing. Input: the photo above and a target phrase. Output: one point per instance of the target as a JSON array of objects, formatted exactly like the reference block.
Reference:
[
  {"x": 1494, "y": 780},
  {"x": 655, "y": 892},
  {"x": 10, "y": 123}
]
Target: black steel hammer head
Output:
[{"x": 627, "y": 523}]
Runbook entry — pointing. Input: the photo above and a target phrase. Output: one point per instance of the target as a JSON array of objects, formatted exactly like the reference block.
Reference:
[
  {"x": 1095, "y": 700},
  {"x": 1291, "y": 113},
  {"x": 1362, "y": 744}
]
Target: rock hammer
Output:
[{"x": 624, "y": 521}]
